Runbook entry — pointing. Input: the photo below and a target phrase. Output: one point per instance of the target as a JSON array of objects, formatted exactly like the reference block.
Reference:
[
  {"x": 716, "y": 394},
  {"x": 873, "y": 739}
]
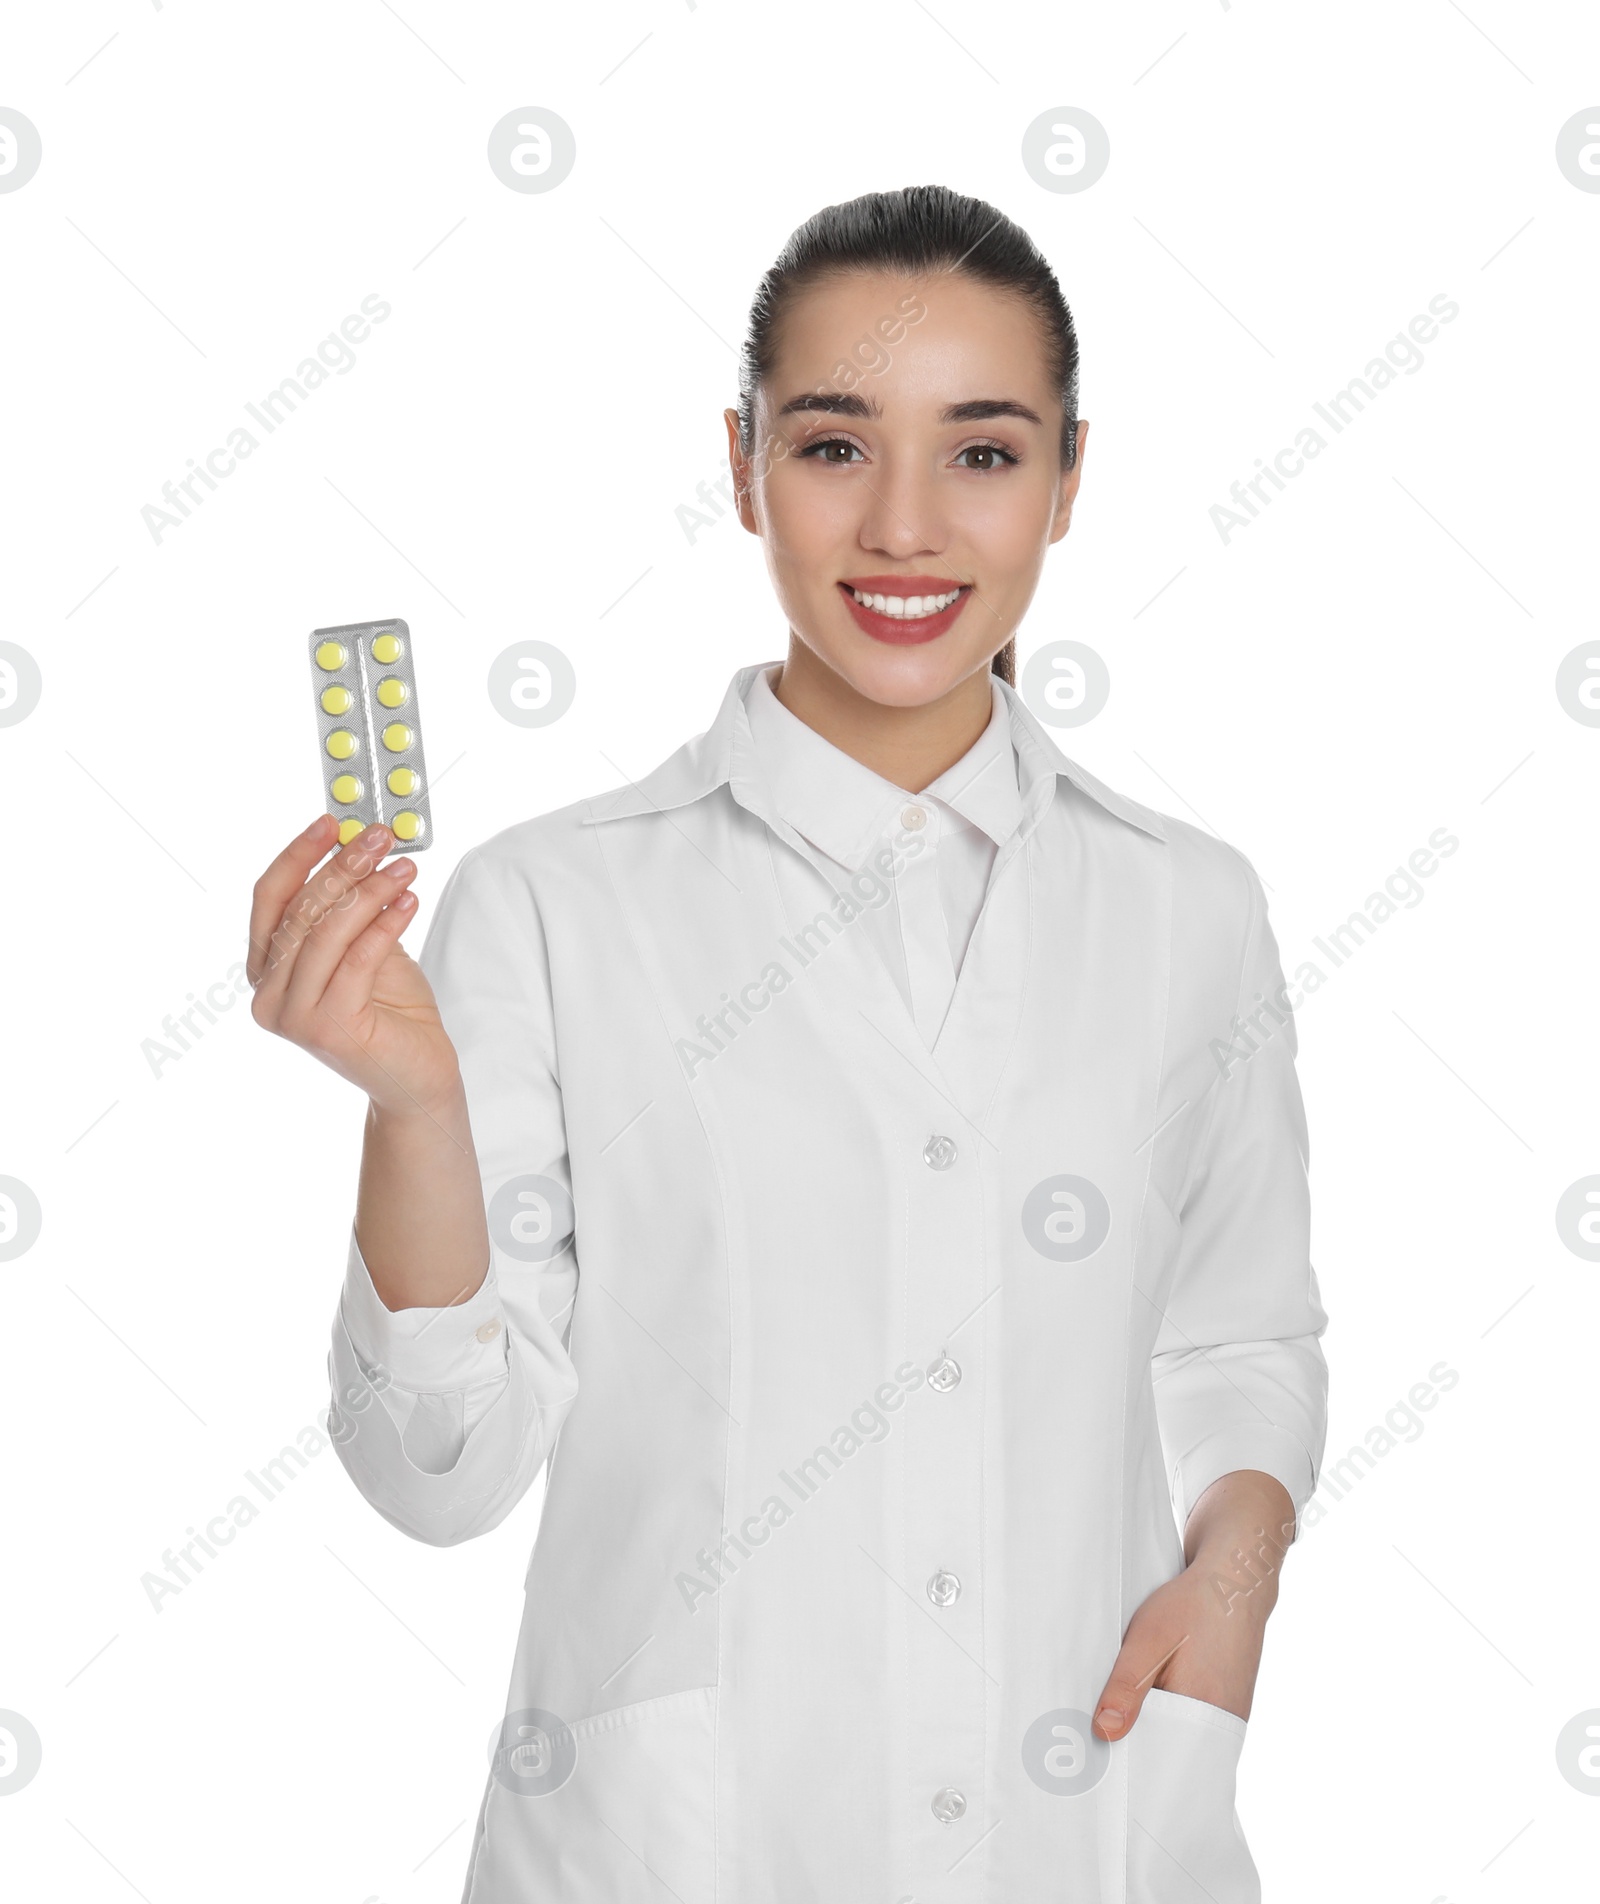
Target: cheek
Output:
[
  {"x": 1007, "y": 529},
  {"x": 806, "y": 513}
]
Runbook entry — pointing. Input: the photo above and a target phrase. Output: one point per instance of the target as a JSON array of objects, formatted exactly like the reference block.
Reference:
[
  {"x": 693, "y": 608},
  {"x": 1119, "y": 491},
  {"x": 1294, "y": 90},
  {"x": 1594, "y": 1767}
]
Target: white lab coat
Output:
[{"x": 876, "y": 1380}]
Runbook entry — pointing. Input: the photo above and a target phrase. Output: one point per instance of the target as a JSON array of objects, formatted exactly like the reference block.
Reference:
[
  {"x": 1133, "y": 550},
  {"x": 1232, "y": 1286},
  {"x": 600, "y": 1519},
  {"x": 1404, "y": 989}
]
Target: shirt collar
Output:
[
  {"x": 844, "y": 808},
  {"x": 726, "y": 754}
]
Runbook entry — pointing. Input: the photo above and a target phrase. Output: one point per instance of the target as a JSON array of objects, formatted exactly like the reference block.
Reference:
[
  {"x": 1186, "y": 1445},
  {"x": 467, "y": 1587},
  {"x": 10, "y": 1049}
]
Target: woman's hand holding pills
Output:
[{"x": 329, "y": 973}]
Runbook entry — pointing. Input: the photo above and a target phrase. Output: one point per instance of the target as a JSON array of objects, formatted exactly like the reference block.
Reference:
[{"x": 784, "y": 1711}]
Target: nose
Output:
[{"x": 901, "y": 514}]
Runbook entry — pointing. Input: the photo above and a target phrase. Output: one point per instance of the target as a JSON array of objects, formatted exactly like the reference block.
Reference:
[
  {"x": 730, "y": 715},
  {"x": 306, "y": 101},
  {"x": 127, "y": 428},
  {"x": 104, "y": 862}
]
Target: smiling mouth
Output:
[{"x": 903, "y": 610}]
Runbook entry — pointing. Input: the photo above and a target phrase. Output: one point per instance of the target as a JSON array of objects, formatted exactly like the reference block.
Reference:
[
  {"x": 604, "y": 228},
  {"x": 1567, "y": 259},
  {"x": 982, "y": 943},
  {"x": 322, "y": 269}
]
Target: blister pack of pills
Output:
[{"x": 369, "y": 737}]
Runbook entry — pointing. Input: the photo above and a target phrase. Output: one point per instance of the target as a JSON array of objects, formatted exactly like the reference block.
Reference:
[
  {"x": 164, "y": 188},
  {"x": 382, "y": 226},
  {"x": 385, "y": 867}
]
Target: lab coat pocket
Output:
[
  {"x": 631, "y": 1823},
  {"x": 1184, "y": 1841}
]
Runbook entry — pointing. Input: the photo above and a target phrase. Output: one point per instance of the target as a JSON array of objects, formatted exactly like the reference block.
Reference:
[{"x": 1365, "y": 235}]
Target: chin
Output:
[{"x": 902, "y": 676}]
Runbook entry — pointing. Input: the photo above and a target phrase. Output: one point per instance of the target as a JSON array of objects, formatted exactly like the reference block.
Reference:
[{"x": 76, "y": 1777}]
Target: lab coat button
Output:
[
  {"x": 944, "y": 1374},
  {"x": 487, "y": 1331},
  {"x": 948, "y": 1805},
  {"x": 939, "y": 1153},
  {"x": 913, "y": 819},
  {"x": 944, "y": 1589}
]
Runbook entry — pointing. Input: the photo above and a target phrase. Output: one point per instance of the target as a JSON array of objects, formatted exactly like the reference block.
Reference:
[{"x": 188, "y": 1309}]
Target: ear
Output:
[
  {"x": 1068, "y": 492},
  {"x": 743, "y": 471}
]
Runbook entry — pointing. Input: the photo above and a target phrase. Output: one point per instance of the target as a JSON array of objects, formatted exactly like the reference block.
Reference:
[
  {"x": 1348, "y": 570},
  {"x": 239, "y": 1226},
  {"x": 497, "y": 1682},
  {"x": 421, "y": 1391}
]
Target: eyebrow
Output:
[{"x": 842, "y": 403}]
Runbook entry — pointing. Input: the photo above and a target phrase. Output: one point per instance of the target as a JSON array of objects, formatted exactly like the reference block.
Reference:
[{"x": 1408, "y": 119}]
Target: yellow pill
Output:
[
  {"x": 393, "y": 692},
  {"x": 397, "y": 737},
  {"x": 345, "y": 788},
  {"x": 406, "y": 826},
  {"x": 336, "y": 700},
  {"x": 404, "y": 781},
  {"x": 387, "y": 648},
  {"x": 350, "y": 829},
  {"x": 341, "y": 743},
  {"x": 331, "y": 655}
]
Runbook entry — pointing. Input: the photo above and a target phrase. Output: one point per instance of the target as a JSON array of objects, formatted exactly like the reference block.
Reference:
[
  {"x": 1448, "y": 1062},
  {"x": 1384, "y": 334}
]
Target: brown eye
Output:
[
  {"x": 818, "y": 451},
  {"x": 996, "y": 457}
]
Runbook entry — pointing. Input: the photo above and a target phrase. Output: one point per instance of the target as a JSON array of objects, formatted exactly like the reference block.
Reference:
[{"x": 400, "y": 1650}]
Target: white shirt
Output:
[
  {"x": 848, "y": 812},
  {"x": 955, "y": 1297}
]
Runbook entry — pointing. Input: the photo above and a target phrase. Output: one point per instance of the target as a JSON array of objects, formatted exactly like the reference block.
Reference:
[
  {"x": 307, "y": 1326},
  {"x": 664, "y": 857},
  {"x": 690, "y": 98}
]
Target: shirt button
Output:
[
  {"x": 944, "y": 1589},
  {"x": 944, "y": 1374},
  {"x": 948, "y": 1805},
  {"x": 939, "y": 1153},
  {"x": 487, "y": 1331},
  {"x": 913, "y": 819}
]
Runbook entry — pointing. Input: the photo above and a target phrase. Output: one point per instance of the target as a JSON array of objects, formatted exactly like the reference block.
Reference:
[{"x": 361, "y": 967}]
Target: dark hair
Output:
[{"x": 920, "y": 229}]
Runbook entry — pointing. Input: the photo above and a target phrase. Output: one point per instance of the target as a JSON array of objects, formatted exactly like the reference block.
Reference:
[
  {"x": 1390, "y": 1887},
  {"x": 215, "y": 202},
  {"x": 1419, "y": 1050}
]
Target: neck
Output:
[{"x": 908, "y": 746}]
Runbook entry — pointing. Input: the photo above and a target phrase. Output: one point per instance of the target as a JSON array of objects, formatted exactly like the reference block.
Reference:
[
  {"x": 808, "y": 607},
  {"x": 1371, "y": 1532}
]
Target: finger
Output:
[
  {"x": 1145, "y": 1651},
  {"x": 278, "y": 885},
  {"x": 330, "y": 885},
  {"x": 325, "y": 947},
  {"x": 349, "y": 991},
  {"x": 320, "y": 895}
]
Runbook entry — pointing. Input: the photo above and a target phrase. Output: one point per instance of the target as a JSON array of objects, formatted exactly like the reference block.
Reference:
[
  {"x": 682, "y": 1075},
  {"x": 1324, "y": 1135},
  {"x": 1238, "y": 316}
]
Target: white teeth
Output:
[{"x": 908, "y": 608}]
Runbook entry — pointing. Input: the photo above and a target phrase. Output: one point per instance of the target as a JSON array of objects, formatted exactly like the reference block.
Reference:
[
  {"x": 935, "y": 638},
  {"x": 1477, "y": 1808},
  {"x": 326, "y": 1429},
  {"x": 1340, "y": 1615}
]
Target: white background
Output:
[{"x": 1372, "y": 659}]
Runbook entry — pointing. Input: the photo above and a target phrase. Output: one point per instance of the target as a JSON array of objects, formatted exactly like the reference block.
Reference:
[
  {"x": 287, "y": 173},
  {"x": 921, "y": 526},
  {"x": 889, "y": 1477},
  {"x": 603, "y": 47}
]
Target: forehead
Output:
[{"x": 934, "y": 337}]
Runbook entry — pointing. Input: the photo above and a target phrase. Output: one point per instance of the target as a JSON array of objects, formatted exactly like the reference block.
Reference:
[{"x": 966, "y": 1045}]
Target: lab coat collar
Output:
[
  {"x": 726, "y": 754},
  {"x": 1041, "y": 757}
]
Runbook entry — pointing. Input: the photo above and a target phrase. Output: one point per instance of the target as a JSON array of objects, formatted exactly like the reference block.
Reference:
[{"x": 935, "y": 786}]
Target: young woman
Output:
[{"x": 865, "y": 1159}]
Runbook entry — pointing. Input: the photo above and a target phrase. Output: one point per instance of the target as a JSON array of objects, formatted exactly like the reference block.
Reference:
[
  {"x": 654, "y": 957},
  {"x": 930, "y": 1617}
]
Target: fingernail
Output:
[
  {"x": 400, "y": 868},
  {"x": 314, "y": 827},
  {"x": 1108, "y": 1719}
]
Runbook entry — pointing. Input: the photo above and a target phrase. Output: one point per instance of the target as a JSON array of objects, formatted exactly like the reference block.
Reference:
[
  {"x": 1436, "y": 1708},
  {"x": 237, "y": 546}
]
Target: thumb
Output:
[{"x": 1146, "y": 1649}]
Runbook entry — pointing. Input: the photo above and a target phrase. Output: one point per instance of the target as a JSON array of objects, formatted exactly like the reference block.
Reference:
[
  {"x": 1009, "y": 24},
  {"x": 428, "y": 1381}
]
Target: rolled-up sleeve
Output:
[
  {"x": 444, "y": 1416},
  {"x": 1240, "y": 1376}
]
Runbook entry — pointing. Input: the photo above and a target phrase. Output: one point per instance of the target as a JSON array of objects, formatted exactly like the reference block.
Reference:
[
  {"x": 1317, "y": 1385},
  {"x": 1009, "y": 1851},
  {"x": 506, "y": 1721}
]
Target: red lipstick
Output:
[{"x": 901, "y": 630}]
